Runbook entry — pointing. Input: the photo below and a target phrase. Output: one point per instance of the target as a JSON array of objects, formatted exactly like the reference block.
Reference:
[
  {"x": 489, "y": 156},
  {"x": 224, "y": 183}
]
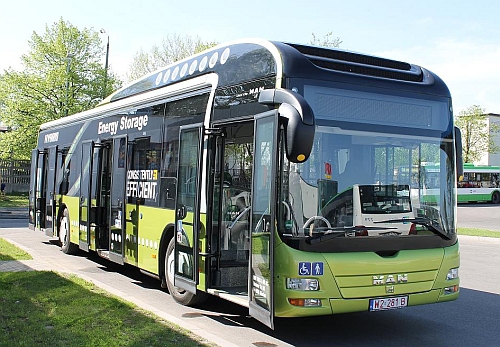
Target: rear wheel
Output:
[
  {"x": 495, "y": 198},
  {"x": 64, "y": 233},
  {"x": 180, "y": 295}
]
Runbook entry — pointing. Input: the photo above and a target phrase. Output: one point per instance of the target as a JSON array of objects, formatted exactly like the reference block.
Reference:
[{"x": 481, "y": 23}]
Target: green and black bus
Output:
[{"x": 239, "y": 172}]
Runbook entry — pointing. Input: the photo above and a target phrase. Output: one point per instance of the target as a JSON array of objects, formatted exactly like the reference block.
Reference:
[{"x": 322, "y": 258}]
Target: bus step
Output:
[
  {"x": 237, "y": 295},
  {"x": 104, "y": 253},
  {"x": 234, "y": 276}
]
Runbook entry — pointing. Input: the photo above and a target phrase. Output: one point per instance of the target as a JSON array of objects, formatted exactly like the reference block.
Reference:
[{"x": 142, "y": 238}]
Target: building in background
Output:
[{"x": 492, "y": 158}]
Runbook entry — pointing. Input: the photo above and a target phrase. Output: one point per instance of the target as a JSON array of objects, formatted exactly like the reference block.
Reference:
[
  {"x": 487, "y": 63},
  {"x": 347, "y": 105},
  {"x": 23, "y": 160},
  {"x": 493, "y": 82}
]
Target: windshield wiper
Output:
[
  {"x": 425, "y": 221},
  {"x": 333, "y": 232}
]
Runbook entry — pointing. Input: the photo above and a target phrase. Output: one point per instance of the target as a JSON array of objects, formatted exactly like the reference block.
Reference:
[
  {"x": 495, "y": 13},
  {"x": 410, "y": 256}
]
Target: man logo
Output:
[{"x": 390, "y": 279}]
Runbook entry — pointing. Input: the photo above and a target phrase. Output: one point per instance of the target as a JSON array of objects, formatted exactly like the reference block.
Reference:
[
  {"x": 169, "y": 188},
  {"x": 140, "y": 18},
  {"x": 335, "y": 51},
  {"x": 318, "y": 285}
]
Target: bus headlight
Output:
[
  {"x": 302, "y": 284},
  {"x": 452, "y": 274},
  {"x": 305, "y": 302}
]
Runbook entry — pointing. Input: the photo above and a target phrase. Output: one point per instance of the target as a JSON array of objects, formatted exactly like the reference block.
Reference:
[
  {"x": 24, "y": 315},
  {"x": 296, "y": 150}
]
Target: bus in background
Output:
[
  {"x": 480, "y": 183},
  {"x": 240, "y": 172}
]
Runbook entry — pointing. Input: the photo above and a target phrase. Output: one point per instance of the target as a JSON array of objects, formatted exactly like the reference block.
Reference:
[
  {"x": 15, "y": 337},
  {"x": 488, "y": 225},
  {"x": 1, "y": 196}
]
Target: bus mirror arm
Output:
[
  {"x": 458, "y": 150},
  {"x": 298, "y": 121}
]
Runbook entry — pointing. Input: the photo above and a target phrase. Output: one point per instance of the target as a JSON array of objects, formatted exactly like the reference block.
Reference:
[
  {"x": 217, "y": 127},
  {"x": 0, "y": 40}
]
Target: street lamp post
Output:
[
  {"x": 68, "y": 64},
  {"x": 106, "y": 64}
]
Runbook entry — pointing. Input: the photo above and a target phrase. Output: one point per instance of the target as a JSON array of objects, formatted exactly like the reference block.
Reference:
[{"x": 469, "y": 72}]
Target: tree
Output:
[
  {"x": 477, "y": 133},
  {"x": 326, "y": 41},
  {"x": 63, "y": 74},
  {"x": 173, "y": 48}
]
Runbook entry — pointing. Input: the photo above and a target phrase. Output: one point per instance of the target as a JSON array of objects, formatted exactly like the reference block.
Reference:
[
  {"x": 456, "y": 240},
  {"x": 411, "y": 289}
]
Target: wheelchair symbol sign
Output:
[
  {"x": 304, "y": 268},
  {"x": 310, "y": 269}
]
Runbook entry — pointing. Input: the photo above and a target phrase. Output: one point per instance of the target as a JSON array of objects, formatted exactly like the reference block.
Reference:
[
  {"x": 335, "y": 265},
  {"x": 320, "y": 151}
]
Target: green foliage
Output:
[
  {"x": 326, "y": 41},
  {"x": 477, "y": 134},
  {"x": 173, "y": 48},
  {"x": 63, "y": 74}
]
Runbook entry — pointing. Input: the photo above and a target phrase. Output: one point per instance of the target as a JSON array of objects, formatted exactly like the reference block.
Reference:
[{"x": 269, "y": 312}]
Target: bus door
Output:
[
  {"x": 33, "y": 189},
  {"x": 41, "y": 191},
  {"x": 187, "y": 207},
  {"x": 85, "y": 196},
  {"x": 118, "y": 174},
  {"x": 50, "y": 213},
  {"x": 261, "y": 263}
]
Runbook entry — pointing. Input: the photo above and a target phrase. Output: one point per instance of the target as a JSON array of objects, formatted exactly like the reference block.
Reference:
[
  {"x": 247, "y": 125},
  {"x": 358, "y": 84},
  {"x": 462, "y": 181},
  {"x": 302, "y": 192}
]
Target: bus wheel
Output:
[
  {"x": 64, "y": 233},
  {"x": 495, "y": 198},
  {"x": 180, "y": 295}
]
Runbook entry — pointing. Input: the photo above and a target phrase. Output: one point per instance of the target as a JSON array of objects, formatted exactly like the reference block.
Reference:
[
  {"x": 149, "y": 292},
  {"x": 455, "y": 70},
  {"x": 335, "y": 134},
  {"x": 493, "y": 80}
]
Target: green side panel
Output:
[
  {"x": 73, "y": 205},
  {"x": 473, "y": 197},
  {"x": 202, "y": 247},
  {"x": 151, "y": 222},
  {"x": 131, "y": 219}
]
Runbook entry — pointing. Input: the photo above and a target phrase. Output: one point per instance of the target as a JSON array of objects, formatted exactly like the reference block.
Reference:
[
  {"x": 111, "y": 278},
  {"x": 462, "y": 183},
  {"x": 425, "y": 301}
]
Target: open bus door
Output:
[
  {"x": 40, "y": 191},
  {"x": 33, "y": 184},
  {"x": 118, "y": 174},
  {"x": 261, "y": 263},
  {"x": 187, "y": 207},
  {"x": 85, "y": 204},
  {"x": 50, "y": 214}
]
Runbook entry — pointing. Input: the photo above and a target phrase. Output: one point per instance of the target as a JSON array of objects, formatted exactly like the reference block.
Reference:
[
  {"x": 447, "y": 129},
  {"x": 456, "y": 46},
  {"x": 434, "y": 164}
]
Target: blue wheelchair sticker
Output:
[{"x": 304, "y": 268}]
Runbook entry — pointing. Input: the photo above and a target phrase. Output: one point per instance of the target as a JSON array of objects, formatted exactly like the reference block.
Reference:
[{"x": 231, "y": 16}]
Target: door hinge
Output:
[{"x": 215, "y": 132}]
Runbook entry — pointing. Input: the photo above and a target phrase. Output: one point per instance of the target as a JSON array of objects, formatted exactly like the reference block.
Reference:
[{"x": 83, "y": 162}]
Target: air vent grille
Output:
[{"x": 360, "y": 64}]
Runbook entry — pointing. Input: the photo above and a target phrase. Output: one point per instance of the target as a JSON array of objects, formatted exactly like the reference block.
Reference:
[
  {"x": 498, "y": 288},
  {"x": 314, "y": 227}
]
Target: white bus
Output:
[{"x": 479, "y": 183}]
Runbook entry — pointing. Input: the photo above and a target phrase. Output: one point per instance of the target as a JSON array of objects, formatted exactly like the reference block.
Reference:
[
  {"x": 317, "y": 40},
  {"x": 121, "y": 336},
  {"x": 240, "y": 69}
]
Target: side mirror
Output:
[
  {"x": 298, "y": 120},
  {"x": 458, "y": 152}
]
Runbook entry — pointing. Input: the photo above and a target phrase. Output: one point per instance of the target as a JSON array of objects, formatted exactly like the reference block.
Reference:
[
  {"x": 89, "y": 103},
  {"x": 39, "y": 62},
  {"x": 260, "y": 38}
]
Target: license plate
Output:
[{"x": 388, "y": 303}]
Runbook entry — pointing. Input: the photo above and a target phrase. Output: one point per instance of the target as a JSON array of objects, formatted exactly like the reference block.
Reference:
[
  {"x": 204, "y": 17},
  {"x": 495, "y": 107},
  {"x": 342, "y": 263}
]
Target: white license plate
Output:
[{"x": 388, "y": 303}]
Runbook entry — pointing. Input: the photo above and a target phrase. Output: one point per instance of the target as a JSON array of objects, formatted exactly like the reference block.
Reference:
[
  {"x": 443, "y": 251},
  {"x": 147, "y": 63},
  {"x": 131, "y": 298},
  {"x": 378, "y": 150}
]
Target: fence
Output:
[{"x": 15, "y": 174}]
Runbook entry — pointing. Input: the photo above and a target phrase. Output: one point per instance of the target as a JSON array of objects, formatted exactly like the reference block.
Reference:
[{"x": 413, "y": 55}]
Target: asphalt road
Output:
[
  {"x": 482, "y": 216},
  {"x": 472, "y": 320}
]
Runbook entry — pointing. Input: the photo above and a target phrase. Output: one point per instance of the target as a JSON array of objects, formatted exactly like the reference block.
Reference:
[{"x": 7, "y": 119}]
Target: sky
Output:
[{"x": 457, "y": 40}]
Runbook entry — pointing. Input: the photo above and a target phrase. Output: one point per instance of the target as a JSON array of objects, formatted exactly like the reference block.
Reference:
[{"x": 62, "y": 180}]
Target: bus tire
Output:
[
  {"x": 64, "y": 233},
  {"x": 180, "y": 295},
  {"x": 495, "y": 198}
]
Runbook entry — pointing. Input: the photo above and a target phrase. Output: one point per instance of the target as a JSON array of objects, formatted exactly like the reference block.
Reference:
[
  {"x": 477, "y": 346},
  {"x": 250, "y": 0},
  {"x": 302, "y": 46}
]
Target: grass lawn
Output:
[
  {"x": 49, "y": 309},
  {"x": 10, "y": 252},
  {"x": 14, "y": 200},
  {"x": 478, "y": 232}
]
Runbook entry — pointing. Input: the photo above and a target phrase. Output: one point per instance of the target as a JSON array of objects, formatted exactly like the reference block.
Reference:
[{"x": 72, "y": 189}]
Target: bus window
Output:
[{"x": 142, "y": 175}]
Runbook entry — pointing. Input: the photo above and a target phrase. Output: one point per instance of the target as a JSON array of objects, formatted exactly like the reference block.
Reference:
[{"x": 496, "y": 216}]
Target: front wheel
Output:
[
  {"x": 64, "y": 233},
  {"x": 180, "y": 295},
  {"x": 495, "y": 198}
]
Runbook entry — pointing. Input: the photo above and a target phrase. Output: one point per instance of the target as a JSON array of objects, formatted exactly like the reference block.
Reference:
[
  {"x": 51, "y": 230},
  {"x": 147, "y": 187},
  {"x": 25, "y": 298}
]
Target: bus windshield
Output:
[{"x": 366, "y": 183}]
